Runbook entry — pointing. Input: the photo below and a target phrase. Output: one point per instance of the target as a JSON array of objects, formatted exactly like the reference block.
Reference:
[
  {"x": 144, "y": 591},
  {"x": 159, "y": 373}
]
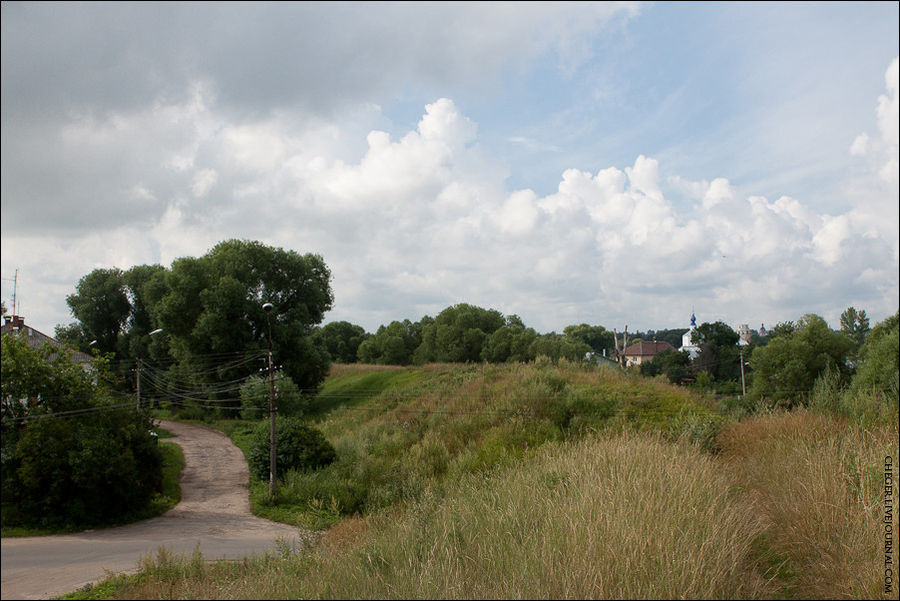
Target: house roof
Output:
[
  {"x": 647, "y": 349},
  {"x": 15, "y": 326}
]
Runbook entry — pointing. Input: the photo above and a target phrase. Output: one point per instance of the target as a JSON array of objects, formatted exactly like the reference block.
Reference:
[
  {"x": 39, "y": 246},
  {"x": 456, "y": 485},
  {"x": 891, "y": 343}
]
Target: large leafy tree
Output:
[
  {"x": 675, "y": 365},
  {"x": 214, "y": 305},
  {"x": 597, "y": 337},
  {"x": 786, "y": 368},
  {"x": 719, "y": 354},
  {"x": 879, "y": 359},
  {"x": 341, "y": 339},
  {"x": 393, "y": 344},
  {"x": 559, "y": 346},
  {"x": 459, "y": 334},
  {"x": 511, "y": 343},
  {"x": 100, "y": 303},
  {"x": 855, "y": 324},
  {"x": 135, "y": 341}
]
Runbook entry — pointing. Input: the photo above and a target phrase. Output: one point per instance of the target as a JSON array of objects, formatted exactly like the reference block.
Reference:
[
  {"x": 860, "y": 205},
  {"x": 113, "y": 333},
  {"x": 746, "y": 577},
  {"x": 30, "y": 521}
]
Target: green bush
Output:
[
  {"x": 70, "y": 456},
  {"x": 297, "y": 447},
  {"x": 255, "y": 397},
  {"x": 83, "y": 471}
]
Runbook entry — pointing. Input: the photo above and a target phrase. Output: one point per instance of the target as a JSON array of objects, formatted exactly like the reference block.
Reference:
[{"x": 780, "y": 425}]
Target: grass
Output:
[
  {"x": 545, "y": 481},
  {"x": 562, "y": 524},
  {"x": 399, "y": 431},
  {"x": 818, "y": 481}
]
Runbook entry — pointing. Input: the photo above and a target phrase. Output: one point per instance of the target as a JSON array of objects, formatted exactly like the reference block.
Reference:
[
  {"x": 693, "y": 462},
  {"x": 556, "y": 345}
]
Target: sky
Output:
[{"x": 604, "y": 163}]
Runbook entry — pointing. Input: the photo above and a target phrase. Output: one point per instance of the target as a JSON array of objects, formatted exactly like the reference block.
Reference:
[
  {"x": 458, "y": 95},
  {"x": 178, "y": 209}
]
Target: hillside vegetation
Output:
[
  {"x": 398, "y": 431},
  {"x": 560, "y": 481}
]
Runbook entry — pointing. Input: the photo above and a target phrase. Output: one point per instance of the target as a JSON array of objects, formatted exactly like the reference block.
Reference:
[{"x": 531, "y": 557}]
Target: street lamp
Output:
[{"x": 273, "y": 483}]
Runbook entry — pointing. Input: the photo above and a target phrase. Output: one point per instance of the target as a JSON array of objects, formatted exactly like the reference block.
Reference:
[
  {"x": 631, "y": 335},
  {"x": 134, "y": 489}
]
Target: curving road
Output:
[{"x": 214, "y": 513}]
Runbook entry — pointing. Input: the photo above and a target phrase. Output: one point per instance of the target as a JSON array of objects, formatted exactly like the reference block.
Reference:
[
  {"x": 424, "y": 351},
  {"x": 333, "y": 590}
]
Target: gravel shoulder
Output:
[{"x": 213, "y": 515}]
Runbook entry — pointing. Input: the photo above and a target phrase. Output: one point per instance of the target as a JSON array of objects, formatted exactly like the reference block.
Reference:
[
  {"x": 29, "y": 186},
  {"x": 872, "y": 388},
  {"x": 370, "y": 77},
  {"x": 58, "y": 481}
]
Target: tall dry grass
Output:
[
  {"x": 629, "y": 516},
  {"x": 819, "y": 485}
]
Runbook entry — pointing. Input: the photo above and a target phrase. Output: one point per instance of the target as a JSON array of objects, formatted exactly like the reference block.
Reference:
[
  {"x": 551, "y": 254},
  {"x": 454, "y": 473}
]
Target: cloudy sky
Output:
[{"x": 589, "y": 162}]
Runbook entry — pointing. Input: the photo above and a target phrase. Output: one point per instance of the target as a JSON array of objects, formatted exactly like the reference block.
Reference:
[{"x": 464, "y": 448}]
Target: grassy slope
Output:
[
  {"x": 400, "y": 431},
  {"x": 543, "y": 481}
]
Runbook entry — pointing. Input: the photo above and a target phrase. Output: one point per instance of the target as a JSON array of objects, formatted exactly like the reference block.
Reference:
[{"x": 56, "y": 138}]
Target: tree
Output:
[
  {"x": 213, "y": 305},
  {"x": 70, "y": 454},
  {"x": 855, "y": 325},
  {"x": 596, "y": 337},
  {"x": 255, "y": 397},
  {"x": 510, "y": 343},
  {"x": 719, "y": 354},
  {"x": 786, "y": 368},
  {"x": 673, "y": 364},
  {"x": 785, "y": 328},
  {"x": 297, "y": 447},
  {"x": 135, "y": 341},
  {"x": 458, "y": 334},
  {"x": 393, "y": 344},
  {"x": 74, "y": 336},
  {"x": 555, "y": 347},
  {"x": 879, "y": 359},
  {"x": 101, "y": 304},
  {"x": 341, "y": 339}
]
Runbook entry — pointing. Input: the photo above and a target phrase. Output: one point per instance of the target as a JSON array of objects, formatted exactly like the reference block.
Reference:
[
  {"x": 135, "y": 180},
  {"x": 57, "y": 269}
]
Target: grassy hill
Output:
[
  {"x": 400, "y": 431},
  {"x": 560, "y": 481}
]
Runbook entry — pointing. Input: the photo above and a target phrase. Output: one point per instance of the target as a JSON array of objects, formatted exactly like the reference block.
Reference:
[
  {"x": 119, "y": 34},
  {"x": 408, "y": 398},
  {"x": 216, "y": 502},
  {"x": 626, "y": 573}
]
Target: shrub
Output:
[
  {"x": 70, "y": 457},
  {"x": 83, "y": 471},
  {"x": 255, "y": 397},
  {"x": 297, "y": 447}
]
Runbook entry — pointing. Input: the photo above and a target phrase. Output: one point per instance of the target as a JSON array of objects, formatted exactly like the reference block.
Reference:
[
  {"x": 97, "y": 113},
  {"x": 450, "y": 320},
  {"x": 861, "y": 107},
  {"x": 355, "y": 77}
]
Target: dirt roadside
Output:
[{"x": 214, "y": 515}]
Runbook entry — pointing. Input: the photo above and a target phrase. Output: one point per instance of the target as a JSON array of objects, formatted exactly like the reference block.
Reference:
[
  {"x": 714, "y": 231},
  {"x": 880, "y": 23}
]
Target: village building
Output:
[
  {"x": 14, "y": 325},
  {"x": 643, "y": 352}
]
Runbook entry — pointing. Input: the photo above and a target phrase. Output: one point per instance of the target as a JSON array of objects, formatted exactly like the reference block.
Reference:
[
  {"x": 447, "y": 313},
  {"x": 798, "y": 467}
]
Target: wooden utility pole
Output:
[
  {"x": 139, "y": 383},
  {"x": 620, "y": 353},
  {"x": 273, "y": 482}
]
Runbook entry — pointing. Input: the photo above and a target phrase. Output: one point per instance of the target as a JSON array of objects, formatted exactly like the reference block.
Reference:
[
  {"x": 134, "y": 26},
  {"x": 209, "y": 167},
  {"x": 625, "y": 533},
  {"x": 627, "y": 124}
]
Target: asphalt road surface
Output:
[{"x": 214, "y": 513}]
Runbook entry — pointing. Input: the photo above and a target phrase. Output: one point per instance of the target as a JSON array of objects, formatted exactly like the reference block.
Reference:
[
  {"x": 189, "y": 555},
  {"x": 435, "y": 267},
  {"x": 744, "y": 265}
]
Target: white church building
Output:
[{"x": 693, "y": 350}]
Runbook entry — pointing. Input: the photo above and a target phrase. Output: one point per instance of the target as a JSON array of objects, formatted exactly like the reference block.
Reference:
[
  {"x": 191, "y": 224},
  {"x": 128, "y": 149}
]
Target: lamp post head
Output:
[
  {"x": 156, "y": 331},
  {"x": 267, "y": 307}
]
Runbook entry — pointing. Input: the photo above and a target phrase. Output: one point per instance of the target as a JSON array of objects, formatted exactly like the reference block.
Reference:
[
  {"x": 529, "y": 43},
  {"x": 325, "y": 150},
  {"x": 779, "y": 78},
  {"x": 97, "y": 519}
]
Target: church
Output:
[
  {"x": 686, "y": 344},
  {"x": 744, "y": 337}
]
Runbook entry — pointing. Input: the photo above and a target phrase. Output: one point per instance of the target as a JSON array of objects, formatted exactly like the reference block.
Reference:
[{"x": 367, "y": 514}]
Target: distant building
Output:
[
  {"x": 642, "y": 352},
  {"x": 745, "y": 335},
  {"x": 14, "y": 325},
  {"x": 687, "y": 344}
]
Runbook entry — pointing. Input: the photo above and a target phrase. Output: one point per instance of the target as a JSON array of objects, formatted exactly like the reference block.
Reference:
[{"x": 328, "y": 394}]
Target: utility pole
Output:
[
  {"x": 139, "y": 384},
  {"x": 743, "y": 388},
  {"x": 153, "y": 333},
  {"x": 273, "y": 481}
]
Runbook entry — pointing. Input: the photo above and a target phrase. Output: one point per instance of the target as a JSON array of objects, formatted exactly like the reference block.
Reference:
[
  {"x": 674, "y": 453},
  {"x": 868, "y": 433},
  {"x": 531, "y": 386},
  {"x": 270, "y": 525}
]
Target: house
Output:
[
  {"x": 642, "y": 352},
  {"x": 14, "y": 325}
]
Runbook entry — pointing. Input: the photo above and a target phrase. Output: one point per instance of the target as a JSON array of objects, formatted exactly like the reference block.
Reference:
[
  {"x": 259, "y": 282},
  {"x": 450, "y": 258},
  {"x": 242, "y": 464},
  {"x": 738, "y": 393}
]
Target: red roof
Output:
[{"x": 648, "y": 349}]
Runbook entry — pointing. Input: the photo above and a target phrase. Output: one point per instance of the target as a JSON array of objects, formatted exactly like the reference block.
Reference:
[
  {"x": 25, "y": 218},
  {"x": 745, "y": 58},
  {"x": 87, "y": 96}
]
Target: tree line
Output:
[
  {"x": 461, "y": 333},
  {"x": 207, "y": 308},
  {"x": 213, "y": 305},
  {"x": 783, "y": 367}
]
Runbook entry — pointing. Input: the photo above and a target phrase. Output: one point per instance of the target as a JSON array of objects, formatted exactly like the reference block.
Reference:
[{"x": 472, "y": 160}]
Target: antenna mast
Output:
[{"x": 15, "y": 286}]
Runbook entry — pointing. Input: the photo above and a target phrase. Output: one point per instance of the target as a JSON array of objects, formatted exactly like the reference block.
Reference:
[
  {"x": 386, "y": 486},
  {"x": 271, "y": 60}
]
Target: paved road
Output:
[{"x": 214, "y": 512}]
